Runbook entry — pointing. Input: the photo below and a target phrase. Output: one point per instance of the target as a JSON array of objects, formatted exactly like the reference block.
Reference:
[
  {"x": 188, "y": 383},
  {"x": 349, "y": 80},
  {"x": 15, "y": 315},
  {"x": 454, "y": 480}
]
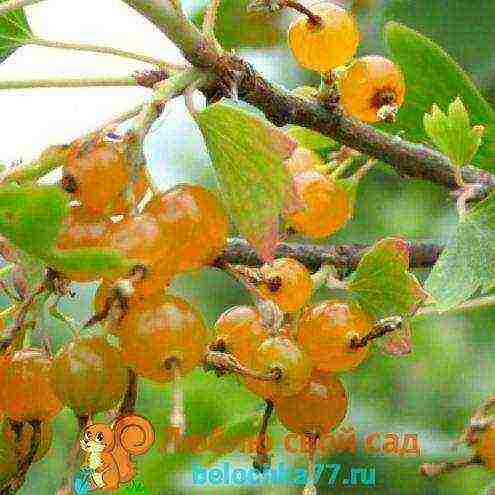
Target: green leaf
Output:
[
  {"x": 90, "y": 263},
  {"x": 310, "y": 139},
  {"x": 433, "y": 77},
  {"x": 236, "y": 27},
  {"x": 382, "y": 284},
  {"x": 247, "y": 153},
  {"x": 31, "y": 216},
  {"x": 14, "y": 28},
  {"x": 452, "y": 133},
  {"x": 467, "y": 264}
]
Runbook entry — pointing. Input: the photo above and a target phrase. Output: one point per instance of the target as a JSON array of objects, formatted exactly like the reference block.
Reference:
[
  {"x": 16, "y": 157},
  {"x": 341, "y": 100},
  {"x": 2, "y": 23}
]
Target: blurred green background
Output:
[{"x": 430, "y": 393}]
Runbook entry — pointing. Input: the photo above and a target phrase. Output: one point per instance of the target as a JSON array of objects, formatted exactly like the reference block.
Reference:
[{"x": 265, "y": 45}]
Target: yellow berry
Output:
[
  {"x": 325, "y": 205},
  {"x": 324, "y": 47},
  {"x": 370, "y": 84},
  {"x": 286, "y": 282},
  {"x": 325, "y": 331}
]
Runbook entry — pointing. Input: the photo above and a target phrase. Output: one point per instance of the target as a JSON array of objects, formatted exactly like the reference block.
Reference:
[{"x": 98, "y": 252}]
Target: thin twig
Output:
[
  {"x": 10, "y": 5},
  {"x": 13, "y": 331},
  {"x": 313, "y": 256},
  {"x": 262, "y": 459},
  {"x": 76, "y": 82},
  {"x": 437, "y": 469},
  {"x": 101, "y": 49}
]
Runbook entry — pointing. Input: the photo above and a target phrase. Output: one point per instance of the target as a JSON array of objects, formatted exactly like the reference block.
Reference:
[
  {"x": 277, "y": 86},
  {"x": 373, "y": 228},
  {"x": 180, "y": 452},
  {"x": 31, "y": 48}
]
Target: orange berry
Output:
[
  {"x": 327, "y": 46},
  {"x": 152, "y": 286},
  {"x": 88, "y": 375},
  {"x": 283, "y": 355},
  {"x": 26, "y": 392},
  {"x": 138, "y": 237},
  {"x": 485, "y": 447},
  {"x": 371, "y": 83},
  {"x": 325, "y": 331},
  {"x": 326, "y": 206},
  {"x": 303, "y": 160},
  {"x": 242, "y": 331},
  {"x": 97, "y": 174},
  {"x": 83, "y": 230},
  {"x": 23, "y": 444},
  {"x": 317, "y": 409},
  {"x": 194, "y": 225},
  {"x": 286, "y": 282},
  {"x": 154, "y": 334}
]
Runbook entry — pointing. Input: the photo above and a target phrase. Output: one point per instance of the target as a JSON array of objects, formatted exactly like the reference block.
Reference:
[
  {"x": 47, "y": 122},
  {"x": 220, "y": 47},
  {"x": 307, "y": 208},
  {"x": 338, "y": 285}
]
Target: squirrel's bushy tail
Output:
[{"x": 134, "y": 435}]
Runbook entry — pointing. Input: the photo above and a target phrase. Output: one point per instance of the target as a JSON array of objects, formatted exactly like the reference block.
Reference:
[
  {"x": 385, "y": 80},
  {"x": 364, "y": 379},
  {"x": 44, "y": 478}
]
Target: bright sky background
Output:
[{"x": 34, "y": 119}]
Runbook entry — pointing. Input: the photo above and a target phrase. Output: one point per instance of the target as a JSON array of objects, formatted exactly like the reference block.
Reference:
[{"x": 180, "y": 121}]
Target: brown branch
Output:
[
  {"x": 434, "y": 470},
  {"x": 281, "y": 107},
  {"x": 239, "y": 251}
]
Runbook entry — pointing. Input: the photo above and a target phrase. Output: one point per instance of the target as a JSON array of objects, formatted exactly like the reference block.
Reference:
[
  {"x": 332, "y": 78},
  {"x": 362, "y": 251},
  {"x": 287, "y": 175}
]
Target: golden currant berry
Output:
[
  {"x": 371, "y": 84},
  {"x": 325, "y": 331},
  {"x": 485, "y": 447},
  {"x": 241, "y": 331},
  {"x": 97, "y": 174},
  {"x": 286, "y": 282},
  {"x": 157, "y": 335},
  {"x": 138, "y": 237},
  {"x": 194, "y": 225},
  {"x": 317, "y": 409},
  {"x": 88, "y": 375},
  {"x": 282, "y": 356},
  {"x": 26, "y": 393},
  {"x": 82, "y": 229},
  {"x": 325, "y": 205},
  {"x": 323, "y": 47}
]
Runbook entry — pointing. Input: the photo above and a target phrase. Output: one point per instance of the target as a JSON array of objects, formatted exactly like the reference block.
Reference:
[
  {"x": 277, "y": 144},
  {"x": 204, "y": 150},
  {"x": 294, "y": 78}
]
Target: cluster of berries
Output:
[
  {"x": 325, "y": 40},
  {"x": 294, "y": 365},
  {"x": 182, "y": 229}
]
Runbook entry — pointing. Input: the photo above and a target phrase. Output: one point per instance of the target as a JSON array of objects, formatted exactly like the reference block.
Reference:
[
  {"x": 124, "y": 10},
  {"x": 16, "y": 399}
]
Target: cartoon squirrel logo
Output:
[{"x": 108, "y": 451}]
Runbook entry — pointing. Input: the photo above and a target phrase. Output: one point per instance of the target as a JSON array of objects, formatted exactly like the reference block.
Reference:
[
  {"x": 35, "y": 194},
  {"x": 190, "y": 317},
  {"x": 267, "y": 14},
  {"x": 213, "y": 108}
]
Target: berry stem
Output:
[
  {"x": 310, "y": 488},
  {"x": 223, "y": 363},
  {"x": 177, "y": 413},
  {"x": 381, "y": 328},
  {"x": 73, "y": 458},
  {"x": 262, "y": 459},
  {"x": 313, "y": 18},
  {"x": 128, "y": 404}
]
